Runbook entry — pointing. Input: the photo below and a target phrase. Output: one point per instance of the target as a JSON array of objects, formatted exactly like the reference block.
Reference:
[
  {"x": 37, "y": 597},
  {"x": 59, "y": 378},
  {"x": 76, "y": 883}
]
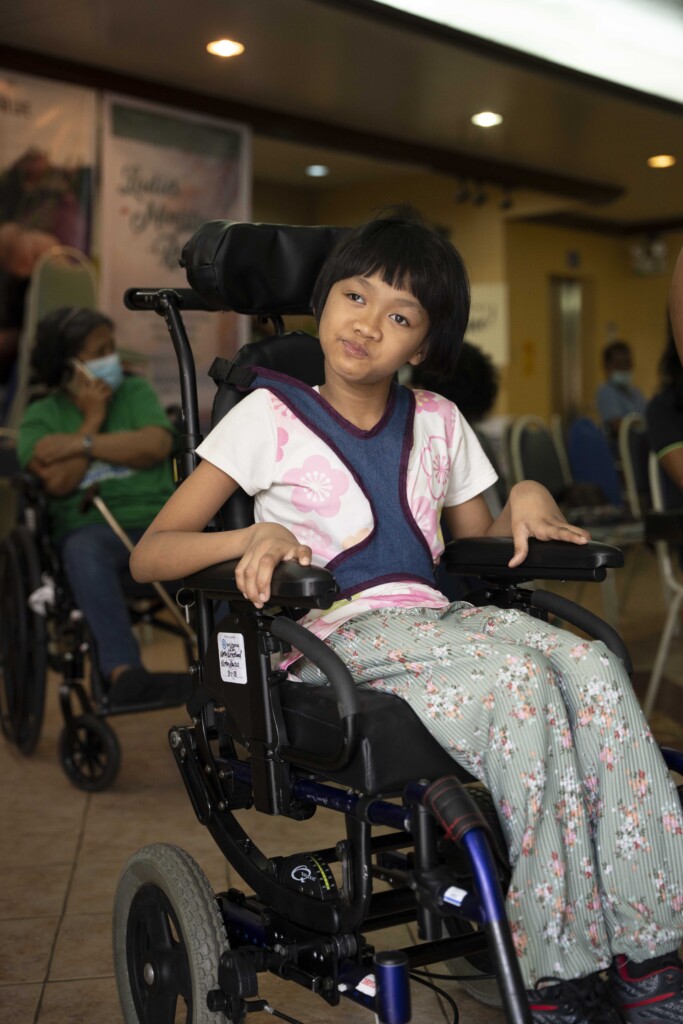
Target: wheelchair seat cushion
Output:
[{"x": 394, "y": 747}]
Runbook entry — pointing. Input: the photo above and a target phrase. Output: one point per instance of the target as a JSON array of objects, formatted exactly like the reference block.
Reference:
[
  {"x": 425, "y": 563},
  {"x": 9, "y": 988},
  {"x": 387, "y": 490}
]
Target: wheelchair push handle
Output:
[{"x": 150, "y": 299}]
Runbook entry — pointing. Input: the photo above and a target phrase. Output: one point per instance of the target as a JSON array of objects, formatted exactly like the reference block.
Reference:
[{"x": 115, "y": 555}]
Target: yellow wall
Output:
[{"x": 619, "y": 303}]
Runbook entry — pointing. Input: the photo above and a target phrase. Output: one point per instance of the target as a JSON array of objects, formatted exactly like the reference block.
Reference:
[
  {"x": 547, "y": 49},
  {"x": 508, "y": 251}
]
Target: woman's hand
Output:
[
  {"x": 269, "y": 545},
  {"x": 534, "y": 513},
  {"x": 91, "y": 397}
]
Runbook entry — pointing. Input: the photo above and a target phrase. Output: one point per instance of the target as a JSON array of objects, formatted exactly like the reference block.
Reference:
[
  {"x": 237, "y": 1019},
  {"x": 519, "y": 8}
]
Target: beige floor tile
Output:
[
  {"x": 25, "y": 948},
  {"x": 83, "y": 948},
  {"x": 36, "y": 891},
  {"x": 92, "y": 1001},
  {"x": 38, "y": 843},
  {"x": 18, "y": 1003}
]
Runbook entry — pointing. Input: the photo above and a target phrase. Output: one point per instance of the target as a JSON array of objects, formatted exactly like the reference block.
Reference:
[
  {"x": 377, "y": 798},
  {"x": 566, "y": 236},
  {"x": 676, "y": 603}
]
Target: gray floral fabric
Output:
[{"x": 549, "y": 722}]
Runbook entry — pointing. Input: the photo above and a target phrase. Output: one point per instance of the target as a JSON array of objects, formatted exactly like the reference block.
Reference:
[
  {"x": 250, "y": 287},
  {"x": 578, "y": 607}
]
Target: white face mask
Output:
[{"x": 108, "y": 369}]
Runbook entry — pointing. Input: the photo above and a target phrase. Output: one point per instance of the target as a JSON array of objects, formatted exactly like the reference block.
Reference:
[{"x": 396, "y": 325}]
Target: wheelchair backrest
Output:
[{"x": 259, "y": 270}]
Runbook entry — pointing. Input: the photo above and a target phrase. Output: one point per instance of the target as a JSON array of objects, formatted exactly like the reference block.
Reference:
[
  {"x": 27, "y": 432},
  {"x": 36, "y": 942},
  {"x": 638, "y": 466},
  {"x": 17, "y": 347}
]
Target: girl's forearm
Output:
[{"x": 173, "y": 554}]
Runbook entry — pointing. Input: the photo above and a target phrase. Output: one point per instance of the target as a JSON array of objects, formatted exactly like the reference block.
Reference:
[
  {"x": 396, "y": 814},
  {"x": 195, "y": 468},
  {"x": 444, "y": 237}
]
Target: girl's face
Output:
[{"x": 369, "y": 329}]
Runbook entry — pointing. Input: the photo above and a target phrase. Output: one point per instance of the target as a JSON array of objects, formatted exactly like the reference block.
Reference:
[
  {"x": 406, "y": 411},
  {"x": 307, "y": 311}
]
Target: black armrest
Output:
[
  {"x": 293, "y": 585},
  {"x": 547, "y": 559},
  {"x": 667, "y": 525}
]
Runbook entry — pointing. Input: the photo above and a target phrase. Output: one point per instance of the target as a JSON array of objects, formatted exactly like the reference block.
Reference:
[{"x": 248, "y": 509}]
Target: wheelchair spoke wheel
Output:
[
  {"x": 168, "y": 939},
  {"x": 90, "y": 753},
  {"x": 23, "y": 643}
]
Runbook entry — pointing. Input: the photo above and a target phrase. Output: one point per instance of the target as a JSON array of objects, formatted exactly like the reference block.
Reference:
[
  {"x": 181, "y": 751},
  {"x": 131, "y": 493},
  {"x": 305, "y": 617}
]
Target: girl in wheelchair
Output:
[{"x": 355, "y": 475}]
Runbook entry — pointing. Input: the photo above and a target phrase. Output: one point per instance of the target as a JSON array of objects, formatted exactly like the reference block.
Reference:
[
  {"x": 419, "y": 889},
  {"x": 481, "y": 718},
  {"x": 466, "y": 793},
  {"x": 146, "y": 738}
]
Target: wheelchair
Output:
[
  {"x": 258, "y": 739},
  {"x": 42, "y": 628}
]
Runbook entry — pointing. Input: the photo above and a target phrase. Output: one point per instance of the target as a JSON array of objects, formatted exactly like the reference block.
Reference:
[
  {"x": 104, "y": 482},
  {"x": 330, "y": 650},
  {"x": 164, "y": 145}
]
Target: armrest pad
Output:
[
  {"x": 547, "y": 559},
  {"x": 294, "y": 585}
]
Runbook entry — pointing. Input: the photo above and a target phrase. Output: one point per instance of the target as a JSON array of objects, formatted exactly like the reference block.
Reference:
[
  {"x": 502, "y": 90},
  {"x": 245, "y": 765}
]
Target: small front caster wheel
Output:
[{"x": 90, "y": 753}]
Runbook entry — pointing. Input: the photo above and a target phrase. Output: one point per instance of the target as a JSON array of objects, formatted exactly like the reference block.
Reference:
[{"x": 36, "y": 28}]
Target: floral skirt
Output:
[{"x": 550, "y": 724}]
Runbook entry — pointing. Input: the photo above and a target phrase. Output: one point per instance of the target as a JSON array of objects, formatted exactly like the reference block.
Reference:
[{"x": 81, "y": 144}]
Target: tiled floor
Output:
[{"x": 61, "y": 851}]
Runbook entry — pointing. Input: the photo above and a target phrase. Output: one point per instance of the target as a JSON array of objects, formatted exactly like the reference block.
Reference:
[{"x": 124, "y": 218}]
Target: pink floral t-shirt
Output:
[{"x": 298, "y": 481}]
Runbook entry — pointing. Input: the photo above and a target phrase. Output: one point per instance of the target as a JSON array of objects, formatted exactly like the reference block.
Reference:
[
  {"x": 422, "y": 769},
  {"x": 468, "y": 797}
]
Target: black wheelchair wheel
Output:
[
  {"x": 90, "y": 753},
  {"x": 168, "y": 938},
  {"x": 23, "y": 643}
]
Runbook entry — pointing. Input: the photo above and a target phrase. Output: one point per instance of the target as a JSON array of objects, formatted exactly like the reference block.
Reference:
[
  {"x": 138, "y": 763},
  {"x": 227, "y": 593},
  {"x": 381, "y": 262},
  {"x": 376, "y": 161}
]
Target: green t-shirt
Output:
[{"x": 134, "y": 496}]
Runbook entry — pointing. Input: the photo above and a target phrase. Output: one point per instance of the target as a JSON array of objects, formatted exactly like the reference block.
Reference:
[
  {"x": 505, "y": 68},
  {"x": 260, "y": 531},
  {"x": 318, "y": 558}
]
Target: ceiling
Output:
[{"x": 358, "y": 87}]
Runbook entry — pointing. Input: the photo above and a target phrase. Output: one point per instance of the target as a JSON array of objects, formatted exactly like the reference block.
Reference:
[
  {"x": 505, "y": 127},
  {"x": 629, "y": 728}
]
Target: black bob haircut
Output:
[
  {"x": 59, "y": 337},
  {"x": 409, "y": 254}
]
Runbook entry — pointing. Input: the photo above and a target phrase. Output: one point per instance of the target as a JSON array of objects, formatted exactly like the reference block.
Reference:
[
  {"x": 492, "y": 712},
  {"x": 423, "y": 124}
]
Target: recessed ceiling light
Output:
[
  {"x": 486, "y": 119},
  {"x": 225, "y": 48},
  {"x": 661, "y": 160},
  {"x": 317, "y": 171}
]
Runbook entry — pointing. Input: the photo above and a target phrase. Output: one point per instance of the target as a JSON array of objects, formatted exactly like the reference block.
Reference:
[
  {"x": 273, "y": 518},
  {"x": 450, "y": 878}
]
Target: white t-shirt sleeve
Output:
[
  {"x": 471, "y": 471},
  {"x": 244, "y": 443}
]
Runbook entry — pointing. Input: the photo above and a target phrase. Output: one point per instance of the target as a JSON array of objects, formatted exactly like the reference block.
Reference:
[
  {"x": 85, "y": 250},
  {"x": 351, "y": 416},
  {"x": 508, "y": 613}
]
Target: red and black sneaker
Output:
[
  {"x": 650, "y": 992},
  {"x": 581, "y": 1001}
]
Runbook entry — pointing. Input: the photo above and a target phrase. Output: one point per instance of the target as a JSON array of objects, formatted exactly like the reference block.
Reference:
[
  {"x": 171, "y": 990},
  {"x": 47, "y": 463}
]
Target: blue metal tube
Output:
[{"x": 393, "y": 987}]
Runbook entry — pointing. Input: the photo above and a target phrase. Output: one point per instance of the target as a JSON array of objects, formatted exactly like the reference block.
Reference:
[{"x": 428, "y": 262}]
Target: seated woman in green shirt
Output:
[{"x": 99, "y": 425}]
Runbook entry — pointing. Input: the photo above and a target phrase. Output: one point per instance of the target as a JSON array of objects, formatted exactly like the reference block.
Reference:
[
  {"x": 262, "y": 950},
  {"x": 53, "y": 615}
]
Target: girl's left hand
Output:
[{"x": 534, "y": 513}]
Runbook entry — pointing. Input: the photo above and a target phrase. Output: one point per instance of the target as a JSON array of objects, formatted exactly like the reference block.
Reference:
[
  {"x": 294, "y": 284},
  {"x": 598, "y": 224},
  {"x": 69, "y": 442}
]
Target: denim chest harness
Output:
[{"x": 378, "y": 461}]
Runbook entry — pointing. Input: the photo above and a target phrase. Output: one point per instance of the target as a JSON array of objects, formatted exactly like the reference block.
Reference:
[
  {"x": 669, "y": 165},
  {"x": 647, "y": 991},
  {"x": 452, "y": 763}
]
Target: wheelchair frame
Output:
[
  {"x": 60, "y": 640},
  {"x": 301, "y": 927}
]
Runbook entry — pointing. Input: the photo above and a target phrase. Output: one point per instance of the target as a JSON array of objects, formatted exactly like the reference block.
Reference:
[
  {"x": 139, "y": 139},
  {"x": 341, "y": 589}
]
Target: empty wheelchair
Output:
[
  {"x": 41, "y": 629},
  {"x": 259, "y": 739}
]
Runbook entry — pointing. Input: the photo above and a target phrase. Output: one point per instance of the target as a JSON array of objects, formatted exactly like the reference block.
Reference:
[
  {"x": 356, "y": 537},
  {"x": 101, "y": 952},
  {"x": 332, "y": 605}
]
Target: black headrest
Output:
[{"x": 258, "y": 269}]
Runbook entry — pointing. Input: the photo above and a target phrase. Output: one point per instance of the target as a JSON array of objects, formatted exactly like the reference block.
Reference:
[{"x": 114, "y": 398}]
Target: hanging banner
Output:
[
  {"x": 164, "y": 173},
  {"x": 47, "y": 154}
]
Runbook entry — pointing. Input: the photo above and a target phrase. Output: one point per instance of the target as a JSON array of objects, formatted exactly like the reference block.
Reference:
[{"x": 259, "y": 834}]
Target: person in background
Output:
[
  {"x": 618, "y": 396},
  {"x": 664, "y": 416},
  {"x": 97, "y": 425}
]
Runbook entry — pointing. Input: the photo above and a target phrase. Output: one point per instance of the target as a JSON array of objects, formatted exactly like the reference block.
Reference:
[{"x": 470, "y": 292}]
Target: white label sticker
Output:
[
  {"x": 367, "y": 985},
  {"x": 454, "y": 895},
  {"x": 231, "y": 657}
]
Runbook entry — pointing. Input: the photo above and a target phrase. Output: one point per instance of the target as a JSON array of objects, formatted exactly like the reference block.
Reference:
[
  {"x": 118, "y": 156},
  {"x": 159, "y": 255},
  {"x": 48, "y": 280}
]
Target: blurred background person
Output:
[
  {"x": 617, "y": 396},
  {"x": 97, "y": 425}
]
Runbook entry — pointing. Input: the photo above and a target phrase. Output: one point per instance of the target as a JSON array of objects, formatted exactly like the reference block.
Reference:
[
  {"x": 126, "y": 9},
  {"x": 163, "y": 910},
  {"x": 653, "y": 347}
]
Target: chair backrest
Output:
[
  {"x": 63, "y": 276},
  {"x": 591, "y": 460},
  {"x": 634, "y": 451},
  {"x": 496, "y": 495},
  {"x": 533, "y": 455},
  {"x": 559, "y": 437}
]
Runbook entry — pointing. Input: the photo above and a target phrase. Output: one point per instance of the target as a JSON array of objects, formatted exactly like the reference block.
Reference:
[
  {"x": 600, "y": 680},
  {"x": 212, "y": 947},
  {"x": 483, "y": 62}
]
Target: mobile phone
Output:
[{"x": 82, "y": 368}]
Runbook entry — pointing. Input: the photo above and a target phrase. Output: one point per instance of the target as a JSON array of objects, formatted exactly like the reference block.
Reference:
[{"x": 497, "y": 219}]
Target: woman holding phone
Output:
[{"x": 98, "y": 425}]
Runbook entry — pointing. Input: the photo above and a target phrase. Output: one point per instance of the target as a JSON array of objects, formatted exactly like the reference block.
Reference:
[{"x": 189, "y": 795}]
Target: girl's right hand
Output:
[{"x": 269, "y": 545}]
